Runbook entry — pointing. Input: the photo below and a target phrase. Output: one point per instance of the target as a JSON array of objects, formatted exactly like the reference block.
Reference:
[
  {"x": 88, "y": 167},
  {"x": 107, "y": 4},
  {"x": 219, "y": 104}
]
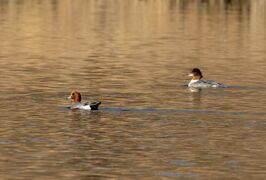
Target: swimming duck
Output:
[
  {"x": 76, "y": 99},
  {"x": 197, "y": 82}
]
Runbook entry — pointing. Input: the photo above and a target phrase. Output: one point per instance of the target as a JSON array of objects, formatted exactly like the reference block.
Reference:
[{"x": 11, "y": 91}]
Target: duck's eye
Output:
[{"x": 72, "y": 94}]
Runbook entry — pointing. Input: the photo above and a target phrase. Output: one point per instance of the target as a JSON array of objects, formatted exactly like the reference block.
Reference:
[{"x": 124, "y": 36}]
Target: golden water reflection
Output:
[{"x": 134, "y": 56}]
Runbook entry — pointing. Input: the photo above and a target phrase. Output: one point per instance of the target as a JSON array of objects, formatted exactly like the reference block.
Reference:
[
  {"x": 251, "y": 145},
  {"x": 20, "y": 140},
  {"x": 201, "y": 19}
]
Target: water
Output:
[{"x": 134, "y": 56}]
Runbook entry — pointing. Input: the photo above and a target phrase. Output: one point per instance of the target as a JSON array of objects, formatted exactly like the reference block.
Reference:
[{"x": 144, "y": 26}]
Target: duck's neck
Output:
[
  {"x": 196, "y": 78},
  {"x": 76, "y": 102},
  {"x": 193, "y": 81}
]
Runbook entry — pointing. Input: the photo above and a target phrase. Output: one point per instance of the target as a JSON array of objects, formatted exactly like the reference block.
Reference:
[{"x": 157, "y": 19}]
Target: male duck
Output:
[
  {"x": 197, "y": 82},
  {"x": 76, "y": 99}
]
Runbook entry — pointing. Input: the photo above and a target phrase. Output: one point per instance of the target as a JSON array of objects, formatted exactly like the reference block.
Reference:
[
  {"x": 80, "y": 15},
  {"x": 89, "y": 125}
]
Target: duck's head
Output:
[
  {"x": 75, "y": 96},
  {"x": 195, "y": 74}
]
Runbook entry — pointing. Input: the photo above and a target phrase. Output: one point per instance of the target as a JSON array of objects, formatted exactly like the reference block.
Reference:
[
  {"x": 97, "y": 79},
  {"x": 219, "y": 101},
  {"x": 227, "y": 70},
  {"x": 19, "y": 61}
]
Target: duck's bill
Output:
[
  {"x": 69, "y": 97},
  {"x": 190, "y": 75}
]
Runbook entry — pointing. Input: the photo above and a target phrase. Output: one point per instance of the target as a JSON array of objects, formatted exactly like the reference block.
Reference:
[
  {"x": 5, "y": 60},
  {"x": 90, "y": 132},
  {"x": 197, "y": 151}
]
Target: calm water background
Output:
[{"x": 134, "y": 56}]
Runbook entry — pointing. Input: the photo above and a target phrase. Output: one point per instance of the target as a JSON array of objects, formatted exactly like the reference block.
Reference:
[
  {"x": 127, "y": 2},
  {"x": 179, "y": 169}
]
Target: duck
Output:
[
  {"x": 75, "y": 97},
  {"x": 197, "y": 82}
]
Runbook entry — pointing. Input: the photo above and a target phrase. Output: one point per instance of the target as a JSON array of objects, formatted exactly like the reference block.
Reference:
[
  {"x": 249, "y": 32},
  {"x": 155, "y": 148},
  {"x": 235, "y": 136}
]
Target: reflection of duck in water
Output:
[
  {"x": 197, "y": 82},
  {"x": 195, "y": 97},
  {"x": 76, "y": 99}
]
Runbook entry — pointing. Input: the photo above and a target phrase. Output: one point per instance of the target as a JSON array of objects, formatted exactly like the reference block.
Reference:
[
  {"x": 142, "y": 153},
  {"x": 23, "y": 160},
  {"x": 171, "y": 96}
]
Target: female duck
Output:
[
  {"x": 76, "y": 99},
  {"x": 197, "y": 82}
]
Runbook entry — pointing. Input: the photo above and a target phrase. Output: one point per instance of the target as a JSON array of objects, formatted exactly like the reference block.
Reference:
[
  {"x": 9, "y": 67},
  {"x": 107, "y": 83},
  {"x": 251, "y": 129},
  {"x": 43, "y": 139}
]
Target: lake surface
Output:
[{"x": 134, "y": 56}]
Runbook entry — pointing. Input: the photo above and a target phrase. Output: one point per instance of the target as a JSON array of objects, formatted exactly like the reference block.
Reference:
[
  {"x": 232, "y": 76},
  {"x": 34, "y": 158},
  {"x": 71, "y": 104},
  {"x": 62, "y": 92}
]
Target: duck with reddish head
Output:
[
  {"x": 198, "y": 82},
  {"x": 77, "y": 104}
]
